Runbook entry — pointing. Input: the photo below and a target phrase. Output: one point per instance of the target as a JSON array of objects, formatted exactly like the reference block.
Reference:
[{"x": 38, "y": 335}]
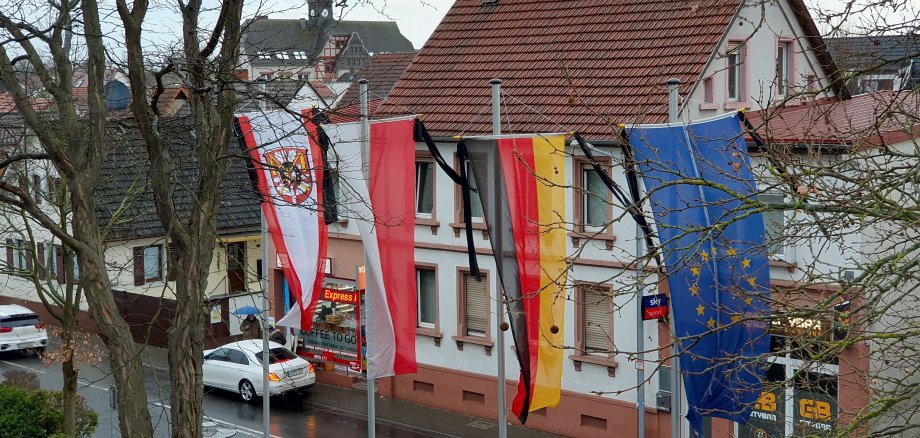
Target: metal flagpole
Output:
[
  {"x": 365, "y": 162},
  {"x": 499, "y": 303},
  {"x": 673, "y": 117},
  {"x": 265, "y": 392},
  {"x": 640, "y": 337}
]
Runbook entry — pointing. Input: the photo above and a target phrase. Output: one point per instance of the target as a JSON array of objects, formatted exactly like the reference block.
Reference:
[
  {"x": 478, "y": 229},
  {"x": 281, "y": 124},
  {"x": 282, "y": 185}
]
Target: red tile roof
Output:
[
  {"x": 351, "y": 113},
  {"x": 586, "y": 65},
  {"x": 862, "y": 121},
  {"x": 382, "y": 73},
  {"x": 583, "y": 65}
]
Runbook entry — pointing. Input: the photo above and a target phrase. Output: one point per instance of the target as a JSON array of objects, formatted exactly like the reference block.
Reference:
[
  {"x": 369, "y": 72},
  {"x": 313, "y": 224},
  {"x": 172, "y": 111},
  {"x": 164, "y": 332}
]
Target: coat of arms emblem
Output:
[{"x": 290, "y": 174}]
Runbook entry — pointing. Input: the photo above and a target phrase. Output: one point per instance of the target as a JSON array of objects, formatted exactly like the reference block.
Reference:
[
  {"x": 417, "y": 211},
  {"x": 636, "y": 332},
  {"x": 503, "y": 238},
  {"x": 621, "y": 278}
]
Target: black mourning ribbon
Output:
[
  {"x": 634, "y": 207},
  {"x": 461, "y": 179}
]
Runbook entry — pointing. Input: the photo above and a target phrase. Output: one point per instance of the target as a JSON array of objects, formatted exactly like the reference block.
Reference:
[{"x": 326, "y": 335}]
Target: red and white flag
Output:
[
  {"x": 384, "y": 206},
  {"x": 288, "y": 163}
]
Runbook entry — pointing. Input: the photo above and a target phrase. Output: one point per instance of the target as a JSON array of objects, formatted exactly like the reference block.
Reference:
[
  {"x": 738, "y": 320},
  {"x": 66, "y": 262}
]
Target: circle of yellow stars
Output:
[{"x": 706, "y": 257}]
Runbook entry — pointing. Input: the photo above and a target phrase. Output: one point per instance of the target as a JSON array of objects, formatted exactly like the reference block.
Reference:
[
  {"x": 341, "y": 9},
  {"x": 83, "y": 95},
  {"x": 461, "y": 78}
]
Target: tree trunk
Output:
[
  {"x": 69, "y": 391},
  {"x": 186, "y": 343},
  {"x": 125, "y": 359}
]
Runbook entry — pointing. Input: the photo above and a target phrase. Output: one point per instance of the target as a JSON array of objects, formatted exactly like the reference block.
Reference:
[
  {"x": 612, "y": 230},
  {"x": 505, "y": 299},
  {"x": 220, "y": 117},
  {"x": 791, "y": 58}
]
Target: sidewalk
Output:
[{"x": 353, "y": 402}]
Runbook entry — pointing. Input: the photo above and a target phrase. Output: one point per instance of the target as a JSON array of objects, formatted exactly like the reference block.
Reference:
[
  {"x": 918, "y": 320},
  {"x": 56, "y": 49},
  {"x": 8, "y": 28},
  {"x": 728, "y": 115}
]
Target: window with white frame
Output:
[
  {"x": 783, "y": 67},
  {"x": 774, "y": 221},
  {"x": 595, "y": 200},
  {"x": 475, "y": 203},
  {"x": 426, "y": 285},
  {"x": 475, "y": 318},
  {"x": 735, "y": 71},
  {"x": 424, "y": 189},
  {"x": 153, "y": 263}
]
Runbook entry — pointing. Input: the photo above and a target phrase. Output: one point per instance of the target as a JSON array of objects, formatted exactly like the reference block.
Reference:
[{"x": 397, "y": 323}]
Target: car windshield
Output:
[
  {"x": 19, "y": 321},
  {"x": 276, "y": 355}
]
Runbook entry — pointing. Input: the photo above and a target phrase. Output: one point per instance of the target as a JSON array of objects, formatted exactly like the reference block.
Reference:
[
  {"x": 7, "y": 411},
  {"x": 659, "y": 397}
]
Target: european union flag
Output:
[{"x": 698, "y": 177}]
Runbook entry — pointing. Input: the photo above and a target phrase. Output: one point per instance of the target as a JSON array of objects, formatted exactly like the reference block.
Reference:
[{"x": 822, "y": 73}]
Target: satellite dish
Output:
[{"x": 117, "y": 95}]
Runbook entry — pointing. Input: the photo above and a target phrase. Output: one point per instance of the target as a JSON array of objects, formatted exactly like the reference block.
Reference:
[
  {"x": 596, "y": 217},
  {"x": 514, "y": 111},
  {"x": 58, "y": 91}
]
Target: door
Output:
[
  {"x": 237, "y": 368},
  {"x": 213, "y": 367},
  {"x": 236, "y": 266}
]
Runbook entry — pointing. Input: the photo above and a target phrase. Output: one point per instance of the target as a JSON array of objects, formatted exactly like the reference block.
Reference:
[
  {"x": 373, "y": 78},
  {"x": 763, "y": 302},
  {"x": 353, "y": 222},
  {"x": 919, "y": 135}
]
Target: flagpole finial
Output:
[
  {"x": 741, "y": 110},
  {"x": 622, "y": 126},
  {"x": 456, "y": 137}
]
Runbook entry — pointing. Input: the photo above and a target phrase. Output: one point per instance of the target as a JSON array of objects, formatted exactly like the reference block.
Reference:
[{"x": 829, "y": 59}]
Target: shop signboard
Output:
[
  {"x": 336, "y": 334},
  {"x": 654, "y": 307},
  {"x": 768, "y": 418},
  {"x": 815, "y": 413}
]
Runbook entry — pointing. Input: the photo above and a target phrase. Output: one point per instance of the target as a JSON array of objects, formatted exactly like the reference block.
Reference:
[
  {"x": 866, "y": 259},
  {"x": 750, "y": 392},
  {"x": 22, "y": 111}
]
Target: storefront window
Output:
[{"x": 337, "y": 330}]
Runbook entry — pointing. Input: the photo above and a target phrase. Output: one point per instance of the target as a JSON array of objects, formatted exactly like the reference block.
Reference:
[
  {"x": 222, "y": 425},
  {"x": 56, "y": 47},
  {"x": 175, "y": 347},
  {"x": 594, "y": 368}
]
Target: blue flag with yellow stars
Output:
[{"x": 698, "y": 177}]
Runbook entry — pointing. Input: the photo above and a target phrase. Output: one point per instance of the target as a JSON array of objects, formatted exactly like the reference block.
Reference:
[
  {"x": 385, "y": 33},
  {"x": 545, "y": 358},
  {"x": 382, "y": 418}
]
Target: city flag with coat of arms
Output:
[
  {"x": 521, "y": 185},
  {"x": 382, "y": 203},
  {"x": 289, "y": 173},
  {"x": 697, "y": 176}
]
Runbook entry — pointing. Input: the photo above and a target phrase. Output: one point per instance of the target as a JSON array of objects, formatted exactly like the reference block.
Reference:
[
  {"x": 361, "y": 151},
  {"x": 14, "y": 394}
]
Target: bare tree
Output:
[{"x": 73, "y": 134}]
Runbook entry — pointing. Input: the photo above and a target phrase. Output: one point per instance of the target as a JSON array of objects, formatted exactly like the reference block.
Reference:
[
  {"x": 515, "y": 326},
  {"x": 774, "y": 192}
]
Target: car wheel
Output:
[{"x": 247, "y": 391}]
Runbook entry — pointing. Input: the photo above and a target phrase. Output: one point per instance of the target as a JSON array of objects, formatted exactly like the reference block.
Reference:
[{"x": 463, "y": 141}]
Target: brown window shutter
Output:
[
  {"x": 40, "y": 251},
  {"x": 58, "y": 195},
  {"x": 9, "y": 253},
  {"x": 37, "y": 189},
  {"x": 59, "y": 263},
  {"x": 172, "y": 267},
  {"x": 27, "y": 252},
  {"x": 138, "y": 265}
]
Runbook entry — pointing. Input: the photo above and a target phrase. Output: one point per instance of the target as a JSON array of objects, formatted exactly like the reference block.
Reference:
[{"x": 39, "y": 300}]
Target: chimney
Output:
[
  {"x": 303, "y": 24},
  {"x": 260, "y": 17}
]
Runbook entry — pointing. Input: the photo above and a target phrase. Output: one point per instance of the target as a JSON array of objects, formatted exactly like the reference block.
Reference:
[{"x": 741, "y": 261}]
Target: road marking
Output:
[
  {"x": 23, "y": 367},
  {"x": 244, "y": 429}
]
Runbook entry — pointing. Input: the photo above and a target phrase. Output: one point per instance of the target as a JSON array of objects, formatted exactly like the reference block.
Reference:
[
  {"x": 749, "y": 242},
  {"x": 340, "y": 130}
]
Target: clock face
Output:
[{"x": 325, "y": 13}]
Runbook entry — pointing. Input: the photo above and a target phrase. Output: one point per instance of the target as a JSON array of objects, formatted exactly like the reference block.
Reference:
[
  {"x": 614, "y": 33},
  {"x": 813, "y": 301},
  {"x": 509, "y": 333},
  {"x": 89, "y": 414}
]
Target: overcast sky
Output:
[{"x": 416, "y": 18}]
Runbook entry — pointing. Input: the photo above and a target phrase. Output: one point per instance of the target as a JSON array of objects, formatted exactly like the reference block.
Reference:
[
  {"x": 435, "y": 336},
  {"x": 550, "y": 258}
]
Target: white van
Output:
[{"x": 20, "y": 329}]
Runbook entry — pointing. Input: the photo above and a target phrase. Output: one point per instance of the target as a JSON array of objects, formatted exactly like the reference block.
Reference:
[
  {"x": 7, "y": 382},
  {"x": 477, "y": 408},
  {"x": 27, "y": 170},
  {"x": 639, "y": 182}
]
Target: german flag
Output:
[{"x": 521, "y": 184}]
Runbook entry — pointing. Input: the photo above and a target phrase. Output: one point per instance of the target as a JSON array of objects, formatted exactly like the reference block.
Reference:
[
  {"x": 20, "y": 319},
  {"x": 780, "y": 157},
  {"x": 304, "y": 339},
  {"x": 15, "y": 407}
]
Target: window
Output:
[
  {"x": 475, "y": 307},
  {"x": 237, "y": 356},
  {"x": 773, "y": 221},
  {"x": 595, "y": 200},
  {"x": 735, "y": 71},
  {"x": 148, "y": 264},
  {"x": 475, "y": 202},
  {"x": 594, "y": 321},
  {"x": 783, "y": 67},
  {"x": 426, "y": 285},
  {"x": 424, "y": 189},
  {"x": 709, "y": 92},
  {"x": 152, "y": 259}
]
